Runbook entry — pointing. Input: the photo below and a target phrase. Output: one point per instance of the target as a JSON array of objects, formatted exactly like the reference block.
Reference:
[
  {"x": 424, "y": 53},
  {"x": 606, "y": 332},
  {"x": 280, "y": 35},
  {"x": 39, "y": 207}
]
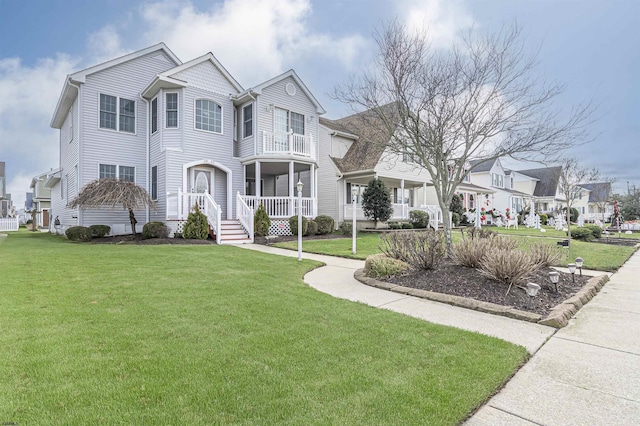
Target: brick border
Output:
[{"x": 558, "y": 317}]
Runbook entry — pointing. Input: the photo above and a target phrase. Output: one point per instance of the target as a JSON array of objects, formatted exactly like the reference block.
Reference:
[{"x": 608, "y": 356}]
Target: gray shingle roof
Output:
[
  {"x": 548, "y": 178},
  {"x": 478, "y": 166},
  {"x": 600, "y": 191}
]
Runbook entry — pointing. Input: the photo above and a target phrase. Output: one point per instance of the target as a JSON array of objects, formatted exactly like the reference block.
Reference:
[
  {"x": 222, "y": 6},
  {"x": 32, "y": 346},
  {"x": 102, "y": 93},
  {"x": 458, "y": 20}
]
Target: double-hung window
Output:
[
  {"x": 208, "y": 116},
  {"x": 108, "y": 171},
  {"x": 154, "y": 182},
  {"x": 172, "y": 110},
  {"x": 247, "y": 121},
  {"x": 497, "y": 180},
  {"x": 297, "y": 123},
  {"x": 113, "y": 171},
  {"x": 127, "y": 173},
  {"x": 117, "y": 113},
  {"x": 154, "y": 115}
]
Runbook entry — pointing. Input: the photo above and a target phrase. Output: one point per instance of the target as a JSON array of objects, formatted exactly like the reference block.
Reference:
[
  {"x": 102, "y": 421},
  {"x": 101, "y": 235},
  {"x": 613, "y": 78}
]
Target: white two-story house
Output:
[{"x": 189, "y": 134}]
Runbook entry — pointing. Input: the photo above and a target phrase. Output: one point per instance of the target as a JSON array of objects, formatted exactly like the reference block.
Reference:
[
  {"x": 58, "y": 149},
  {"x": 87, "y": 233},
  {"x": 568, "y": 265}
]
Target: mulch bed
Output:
[{"x": 453, "y": 279}]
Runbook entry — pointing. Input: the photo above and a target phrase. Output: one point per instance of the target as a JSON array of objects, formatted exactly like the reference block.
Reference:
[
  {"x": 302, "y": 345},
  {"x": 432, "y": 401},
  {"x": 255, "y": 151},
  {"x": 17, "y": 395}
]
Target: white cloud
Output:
[
  {"x": 441, "y": 19},
  {"x": 105, "y": 44},
  {"x": 255, "y": 39},
  {"x": 30, "y": 93}
]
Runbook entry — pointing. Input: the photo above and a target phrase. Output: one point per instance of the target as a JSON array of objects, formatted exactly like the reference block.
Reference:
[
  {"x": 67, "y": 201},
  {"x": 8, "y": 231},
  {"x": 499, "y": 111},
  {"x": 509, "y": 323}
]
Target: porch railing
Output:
[
  {"x": 9, "y": 224},
  {"x": 282, "y": 207},
  {"x": 400, "y": 212},
  {"x": 244, "y": 213},
  {"x": 287, "y": 143},
  {"x": 180, "y": 204}
]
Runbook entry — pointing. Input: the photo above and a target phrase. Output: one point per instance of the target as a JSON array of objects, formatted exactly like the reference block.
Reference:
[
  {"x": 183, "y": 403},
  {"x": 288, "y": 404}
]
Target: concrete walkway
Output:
[
  {"x": 588, "y": 373},
  {"x": 337, "y": 280}
]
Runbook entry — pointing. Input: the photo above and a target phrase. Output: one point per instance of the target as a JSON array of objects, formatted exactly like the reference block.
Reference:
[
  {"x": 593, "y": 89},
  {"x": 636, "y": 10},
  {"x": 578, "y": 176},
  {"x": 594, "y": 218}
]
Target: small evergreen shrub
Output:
[
  {"x": 544, "y": 218},
  {"x": 79, "y": 233},
  {"x": 455, "y": 218},
  {"x": 544, "y": 255},
  {"x": 376, "y": 202},
  {"x": 99, "y": 231},
  {"x": 456, "y": 205},
  {"x": 407, "y": 225},
  {"x": 196, "y": 227},
  {"x": 155, "y": 230},
  {"x": 346, "y": 228},
  {"x": 261, "y": 221},
  {"x": 595, "y": 230},
  {"x": 325, "y": 224},
  {"x": 419, "y": 218},
  {"x": 381, "y": 266},
  {"x": 312, "y": 228},
  {"x": 395, "y": 225},
  {"x": 421, "y": 250},
  {"x": 582, "y": 234},
  {"x": 293, "y": 224}
]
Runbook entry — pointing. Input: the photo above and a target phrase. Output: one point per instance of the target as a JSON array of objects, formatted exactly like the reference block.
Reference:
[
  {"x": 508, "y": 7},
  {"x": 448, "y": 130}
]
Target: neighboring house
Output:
[
  {"x": 352, "y": 153},
  {"x": 189, "y": 134},
  {"x": 548, "y": 197},
  {"x": 598, "y": 206},
  {"x": 41, "y": 199}
]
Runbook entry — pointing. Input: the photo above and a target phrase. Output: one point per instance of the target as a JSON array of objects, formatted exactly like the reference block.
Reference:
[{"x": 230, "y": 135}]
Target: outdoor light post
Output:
[
  {"x": 299, "y": 185},
  {"x": 532, "y": 291},
  {"x": 353, "y": 224},
  {"x": 554, "y": 276},
  {"x": 579, "y": 263},
  {"x": 572, "y": 269}
]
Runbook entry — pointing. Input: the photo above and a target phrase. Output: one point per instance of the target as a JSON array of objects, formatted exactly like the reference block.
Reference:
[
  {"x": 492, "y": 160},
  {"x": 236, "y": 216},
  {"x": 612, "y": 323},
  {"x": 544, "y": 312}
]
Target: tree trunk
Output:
[
  {"x": 569, "y": 229},
  {"x": 132, "y": 219}
]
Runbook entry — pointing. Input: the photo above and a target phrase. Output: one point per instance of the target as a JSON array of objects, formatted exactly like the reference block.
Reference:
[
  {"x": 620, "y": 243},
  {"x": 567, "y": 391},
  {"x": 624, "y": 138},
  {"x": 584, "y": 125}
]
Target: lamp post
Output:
[
  {"x": 579, "y": 263},
  {"x": 572, "y": 269},
  {"x": 532, "y": 291},
  {"x": 353, "y": 224},
  {"x": 299, "y": 185},
  {"x": 554, "y": 276}
]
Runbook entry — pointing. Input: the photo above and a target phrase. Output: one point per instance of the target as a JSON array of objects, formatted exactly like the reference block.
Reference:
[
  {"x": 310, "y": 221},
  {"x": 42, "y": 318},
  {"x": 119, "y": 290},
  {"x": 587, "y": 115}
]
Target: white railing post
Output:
[{"x": 180, "y": 212}]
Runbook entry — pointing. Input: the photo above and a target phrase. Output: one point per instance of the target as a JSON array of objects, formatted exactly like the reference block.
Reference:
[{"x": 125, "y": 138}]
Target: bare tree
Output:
[
  {"x": 476, "y": 101},
  {"x": 572, "y": 175},
  {"x": 110, "y": 192}
]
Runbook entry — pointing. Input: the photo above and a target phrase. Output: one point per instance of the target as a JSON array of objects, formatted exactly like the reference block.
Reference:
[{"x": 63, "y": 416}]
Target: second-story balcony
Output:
[{"x": 288, "y": 143}]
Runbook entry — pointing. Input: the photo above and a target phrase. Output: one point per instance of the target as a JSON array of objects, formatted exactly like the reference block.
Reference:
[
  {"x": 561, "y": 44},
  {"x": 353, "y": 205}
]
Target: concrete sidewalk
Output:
[
  {"x": 588, "y": 373},
  {"x": 337, "y": 280}
]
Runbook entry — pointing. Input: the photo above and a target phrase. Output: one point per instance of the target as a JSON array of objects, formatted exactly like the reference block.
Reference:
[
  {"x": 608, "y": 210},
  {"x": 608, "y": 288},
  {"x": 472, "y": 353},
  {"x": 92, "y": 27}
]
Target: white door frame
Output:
[{"x": 187, "y": 166}]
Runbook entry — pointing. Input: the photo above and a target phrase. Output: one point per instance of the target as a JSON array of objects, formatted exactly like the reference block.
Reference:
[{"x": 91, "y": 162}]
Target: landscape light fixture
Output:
[
  {"x": 532, "y": 291},
  {"x": 554, "y": 276},
  {"x": 299, "y": 185},
  {"x": 579, "y": 263},
  {"x": 572, "y": 269}
]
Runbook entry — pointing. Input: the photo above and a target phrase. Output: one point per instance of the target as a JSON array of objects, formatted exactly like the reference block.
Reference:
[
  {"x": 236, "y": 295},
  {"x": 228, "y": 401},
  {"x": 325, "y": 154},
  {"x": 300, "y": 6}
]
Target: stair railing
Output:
[{"x": 244, "y": 213}]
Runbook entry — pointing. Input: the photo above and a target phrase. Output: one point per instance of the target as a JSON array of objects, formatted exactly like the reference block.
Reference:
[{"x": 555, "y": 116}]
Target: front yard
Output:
[{"x": 126, "y": 334}]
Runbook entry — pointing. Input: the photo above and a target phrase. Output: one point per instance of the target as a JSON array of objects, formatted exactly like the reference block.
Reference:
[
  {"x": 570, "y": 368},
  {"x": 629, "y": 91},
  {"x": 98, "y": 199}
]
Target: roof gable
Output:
[
  {"x": 548, "y": 179},
  {"x": 200, "y": 62}
]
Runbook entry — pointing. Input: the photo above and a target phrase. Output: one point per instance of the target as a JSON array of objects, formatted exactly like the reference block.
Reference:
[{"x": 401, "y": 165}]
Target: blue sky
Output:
[{"x": 590, "y": 46}]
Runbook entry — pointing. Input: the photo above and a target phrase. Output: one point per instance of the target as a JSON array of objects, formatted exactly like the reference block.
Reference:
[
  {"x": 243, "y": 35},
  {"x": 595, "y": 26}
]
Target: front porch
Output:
[{"x": 400, "y": 213}]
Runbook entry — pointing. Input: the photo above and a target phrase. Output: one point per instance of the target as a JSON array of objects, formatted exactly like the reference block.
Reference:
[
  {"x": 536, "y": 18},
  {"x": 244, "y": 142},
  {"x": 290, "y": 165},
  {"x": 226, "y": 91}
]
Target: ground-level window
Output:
[
  {"x": 108, "y": 171},
  {"x": 127, "y": 173},
  {"x": 113, "y": 171},
  {"x": 354, "y": 189},
  {"x": 154, "y": 183},
  {"x": 401, "y": 197},
  {"x": 516, "y": 204}
]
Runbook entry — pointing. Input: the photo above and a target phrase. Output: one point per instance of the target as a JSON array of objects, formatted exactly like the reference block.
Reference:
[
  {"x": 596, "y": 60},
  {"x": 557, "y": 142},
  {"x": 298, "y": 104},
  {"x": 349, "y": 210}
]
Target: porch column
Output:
[
  {"x": 258, "y": 181},
  {"x": 292, "y": 186},
  {"x": 404, "y": 213},
  {"x": 344, "y": 200},
  {"x": 312, "y": 189},
  {"x": 478, "y": 225},
  {"x": 424, "y": 193}
]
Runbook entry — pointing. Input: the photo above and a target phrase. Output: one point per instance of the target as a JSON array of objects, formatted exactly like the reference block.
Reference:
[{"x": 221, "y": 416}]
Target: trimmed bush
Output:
[
  {"x": 293, "y": 224},
  {"x": 261, "y": 221},
  {"x": 407, "y": 225},
  {"x": 544, "y": 255},
  {"x": 346, "y": 228},
  {"x": 422, "y": 250},
  {"x": 582, "y": 234},
  {"x": 99, "y": 231},
  {"x": 455, "y": 218},
  {"x": 325, "y": 224},
  {"x": 544, "y": 218},
  {"x": 394, "y": 225},
  {"x": 419, "y": 218},
  {"x": 312, "y": 228},
  {"x": 79, "y": 233},
  {"x": 155, "y": 230},
  {"x": 595, "y": 230},
  {"x": 381, "y": 266},
  {"x": 196, "y": 227},
  {"x": 511, "y": 267}
]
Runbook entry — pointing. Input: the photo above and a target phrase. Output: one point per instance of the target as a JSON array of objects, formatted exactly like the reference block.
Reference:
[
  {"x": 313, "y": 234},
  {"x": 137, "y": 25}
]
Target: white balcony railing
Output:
[
  {"x": 283, "y": 207},
  {"x": 287, "y": 143}
]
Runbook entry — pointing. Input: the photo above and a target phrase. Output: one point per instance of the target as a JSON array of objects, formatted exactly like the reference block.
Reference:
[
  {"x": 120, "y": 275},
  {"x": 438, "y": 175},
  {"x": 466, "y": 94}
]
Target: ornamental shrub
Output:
[
  {"x": 154, "y": 230},
  {"x": 261, "y": 221},
  {"x": 79, "y": 233},
  {"x": 455, "y": 218},
  {"x": 421, "y": 250},
  {"x": 325, "y": 224},
  {"x": 99, "y": 231},
  {"x": 293, "y": 224},
  {"x": 376, "y": 202},
  {"x": 510, "y": 267},
  {"x": 595, "y": 230},
  {"x": 312, "y": 228},
  {"x": 196, "y": 227},
  {"x": 407, "y": 225},
  {"x": 346, "y": 228},
  {"x": 456, "y": 204},
  {"x": 419, "y": 218},
  {"x": 544, "y": 218},
  {"x": 544, "y": 255},
  {"x": 582, "y": 234},
  {"x": 381, "y": 266}
]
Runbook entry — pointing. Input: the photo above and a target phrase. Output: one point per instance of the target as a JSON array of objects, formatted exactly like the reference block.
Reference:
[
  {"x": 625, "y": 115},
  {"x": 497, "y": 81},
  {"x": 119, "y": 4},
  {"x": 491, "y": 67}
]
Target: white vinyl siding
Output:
[
  {"x": 208, "y": 116},
  {"x": 171, "y": 110},
  {"x": 117, "y": 113}
]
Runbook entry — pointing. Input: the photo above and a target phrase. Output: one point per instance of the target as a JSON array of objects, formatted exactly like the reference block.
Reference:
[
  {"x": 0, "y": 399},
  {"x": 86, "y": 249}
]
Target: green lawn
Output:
[
  {"x": 602, "y": 257},
  {"x": 125, "y": 334}
]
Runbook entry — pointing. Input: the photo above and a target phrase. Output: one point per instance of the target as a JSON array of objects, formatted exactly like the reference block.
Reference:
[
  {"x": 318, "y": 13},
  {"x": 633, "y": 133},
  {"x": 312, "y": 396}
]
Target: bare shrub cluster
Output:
[
  {"x": 422, "y": 250},
  {"x": 381, "y": 266},
  {"x": 478, "y": 233},
  {"x": 510, "y": 267},
  {"x": 544, "y": 255}
]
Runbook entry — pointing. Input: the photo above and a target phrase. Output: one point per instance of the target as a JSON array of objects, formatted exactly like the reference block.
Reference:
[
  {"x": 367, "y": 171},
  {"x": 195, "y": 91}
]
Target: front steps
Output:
[{"x": 233, "y": 233}]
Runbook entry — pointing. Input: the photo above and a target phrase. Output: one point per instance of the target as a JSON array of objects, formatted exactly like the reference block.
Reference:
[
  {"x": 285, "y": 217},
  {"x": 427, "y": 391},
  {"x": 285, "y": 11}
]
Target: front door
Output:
[
  {"x": 45, "y": 218},
  {"x": 202, "y": 181},
  {"x": 281, "y": 129}
]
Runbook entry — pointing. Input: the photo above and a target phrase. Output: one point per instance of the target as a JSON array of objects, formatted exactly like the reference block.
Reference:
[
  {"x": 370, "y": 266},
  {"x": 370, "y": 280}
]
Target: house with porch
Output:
[
  {"x": 599, "y": 206},
  {"x": 189, "y": 134},
  {"x": 41, "y": 199}
]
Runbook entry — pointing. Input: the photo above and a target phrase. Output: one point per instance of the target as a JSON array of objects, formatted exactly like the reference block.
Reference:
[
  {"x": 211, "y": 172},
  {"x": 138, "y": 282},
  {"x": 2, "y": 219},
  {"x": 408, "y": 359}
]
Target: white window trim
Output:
[
  {"x": 253, "y": 117},
  {"x": 164, "y": 105},
  {"x": 151, "y": 183},
  {"x": 117, "y": 129},
  {"x": 151, "y": 114},
  {"x": 221, "y": 117},
  {"x": 289, "y": 111},
  {"x": 135, "y": 170}
]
